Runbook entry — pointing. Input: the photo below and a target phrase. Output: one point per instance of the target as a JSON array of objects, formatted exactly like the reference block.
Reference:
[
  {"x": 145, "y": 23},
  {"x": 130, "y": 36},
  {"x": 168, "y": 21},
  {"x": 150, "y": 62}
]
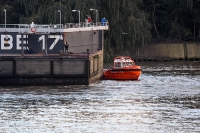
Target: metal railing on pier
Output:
[{"x": 48, "y": 28}]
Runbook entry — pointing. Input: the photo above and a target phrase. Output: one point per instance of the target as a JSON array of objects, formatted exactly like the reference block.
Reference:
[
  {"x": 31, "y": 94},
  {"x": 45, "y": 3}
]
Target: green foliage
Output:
[
  {"x": 132, "y": 23},
  {"x": 128, "y": 26},
  {"x": 174, "y": 19}
]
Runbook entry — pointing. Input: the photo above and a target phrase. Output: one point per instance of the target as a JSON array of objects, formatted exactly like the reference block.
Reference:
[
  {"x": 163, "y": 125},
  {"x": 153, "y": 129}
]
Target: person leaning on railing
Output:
[
  {"x": 32, "y": 24},
  {"x": 103, "y": 21}
]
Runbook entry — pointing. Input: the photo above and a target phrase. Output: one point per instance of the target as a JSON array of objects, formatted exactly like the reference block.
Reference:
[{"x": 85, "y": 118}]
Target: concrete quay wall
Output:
[
  {"x": 51, "y": 70},
  {"x": 193, "y": 50},
  {"x": 172, "y": 51},
  {"x": 96, "y": 67}
]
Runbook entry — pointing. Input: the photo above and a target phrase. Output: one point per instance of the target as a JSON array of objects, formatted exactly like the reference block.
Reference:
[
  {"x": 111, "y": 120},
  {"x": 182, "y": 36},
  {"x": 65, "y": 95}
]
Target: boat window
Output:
[
  {"x": 117, "y": 64},
  {"x": 124, "y": 64}
]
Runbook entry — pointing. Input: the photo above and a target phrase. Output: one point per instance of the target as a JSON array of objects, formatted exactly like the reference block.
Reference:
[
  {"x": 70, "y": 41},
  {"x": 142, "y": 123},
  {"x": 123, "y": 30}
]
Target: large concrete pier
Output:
[
  {"x": 81, "y": 69},
  {"x": 50, "y": 63}
]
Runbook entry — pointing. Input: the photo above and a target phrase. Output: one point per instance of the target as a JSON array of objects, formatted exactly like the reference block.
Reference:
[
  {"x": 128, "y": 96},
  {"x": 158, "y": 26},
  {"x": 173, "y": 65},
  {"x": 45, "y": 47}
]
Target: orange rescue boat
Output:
[{"x": 124, "y": 68}]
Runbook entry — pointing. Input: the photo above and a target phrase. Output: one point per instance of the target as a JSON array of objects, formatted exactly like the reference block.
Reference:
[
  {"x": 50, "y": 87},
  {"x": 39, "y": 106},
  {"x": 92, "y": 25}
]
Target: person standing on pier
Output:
[
  {"x": 66, "y": 46},
  {"x": 29, "y": 50},
  {"x": 33, "y": 28},
  {"x": 86, "y": 21},
  {"x": 32, "y": 24},
  {"x": 89, "y": 20},
  {"x": 103, "y": 21}
]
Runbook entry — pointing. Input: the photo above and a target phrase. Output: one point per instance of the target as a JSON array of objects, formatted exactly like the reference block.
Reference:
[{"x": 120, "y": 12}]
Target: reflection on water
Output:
[{"x": 166, "y": 98}]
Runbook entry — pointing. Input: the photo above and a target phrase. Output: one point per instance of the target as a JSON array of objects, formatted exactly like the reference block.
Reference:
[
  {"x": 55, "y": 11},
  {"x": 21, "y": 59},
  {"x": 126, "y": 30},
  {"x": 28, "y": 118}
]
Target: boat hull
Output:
[{"x": 122, "y": 74}]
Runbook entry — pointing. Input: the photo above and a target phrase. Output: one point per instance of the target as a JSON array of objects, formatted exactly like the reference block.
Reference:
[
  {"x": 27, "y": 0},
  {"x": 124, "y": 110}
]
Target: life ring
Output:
[{"x": 33, "y": 29}]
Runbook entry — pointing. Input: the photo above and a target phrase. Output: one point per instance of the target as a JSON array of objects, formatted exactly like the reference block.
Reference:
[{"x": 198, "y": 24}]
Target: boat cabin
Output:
[{"x": 121, "y": 62}]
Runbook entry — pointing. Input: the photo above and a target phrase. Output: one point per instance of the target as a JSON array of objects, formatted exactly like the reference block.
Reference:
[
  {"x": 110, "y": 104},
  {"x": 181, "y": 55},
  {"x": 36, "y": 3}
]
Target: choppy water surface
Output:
[{"x": 166, "y": 99}]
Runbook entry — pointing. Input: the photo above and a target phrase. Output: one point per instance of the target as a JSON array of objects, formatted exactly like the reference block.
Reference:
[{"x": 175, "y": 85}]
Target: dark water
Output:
[{"x": 166, "y": 99}]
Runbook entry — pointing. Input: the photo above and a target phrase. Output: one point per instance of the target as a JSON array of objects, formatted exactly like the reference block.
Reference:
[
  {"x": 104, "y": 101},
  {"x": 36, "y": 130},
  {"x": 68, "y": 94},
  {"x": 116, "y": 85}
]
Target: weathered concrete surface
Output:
[
  {"x": 51, "y": 70},
  {"x": 176, "y": 51},
  {"x": 21, "y": 81},
  {"x": 6, "y": 68},
  {"x": 81, "y": 41},
  {"x": 96, "y": 67},
  {"x": 168, "y": 51},
  {"x": 32, "y": 67},
  {"x": 193, "y": 50},
  {"x": 43, "y": 70},
  {"x": 161, "y": 51},
  {"x": 67, "y": 67}
]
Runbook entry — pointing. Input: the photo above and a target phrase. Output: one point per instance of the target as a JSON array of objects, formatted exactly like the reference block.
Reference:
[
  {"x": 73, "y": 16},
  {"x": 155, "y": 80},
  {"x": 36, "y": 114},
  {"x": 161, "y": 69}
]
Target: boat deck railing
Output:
[{"x": 52, "y": 28}]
